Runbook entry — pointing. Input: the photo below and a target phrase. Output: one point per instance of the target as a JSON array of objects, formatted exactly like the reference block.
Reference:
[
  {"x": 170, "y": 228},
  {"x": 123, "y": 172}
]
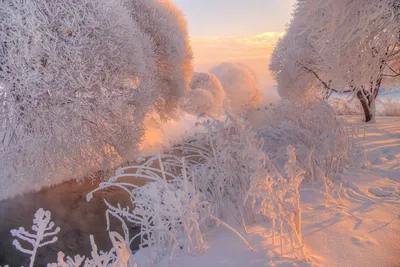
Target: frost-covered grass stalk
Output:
[
  {"x": 41, "y": 226},
  {"x": 119, "y": 255},
  {"x": 276, "y": 197}
]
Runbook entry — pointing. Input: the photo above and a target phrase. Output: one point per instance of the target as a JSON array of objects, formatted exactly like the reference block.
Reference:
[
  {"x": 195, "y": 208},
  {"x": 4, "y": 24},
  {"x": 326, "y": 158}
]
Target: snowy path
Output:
[{"x": 362, "y": 229}]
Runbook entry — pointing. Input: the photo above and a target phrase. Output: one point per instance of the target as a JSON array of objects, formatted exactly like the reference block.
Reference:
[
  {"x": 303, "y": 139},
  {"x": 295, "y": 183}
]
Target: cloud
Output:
[
  {"x": 234, "y": 48},
  {"x": 254, "y": 51}
]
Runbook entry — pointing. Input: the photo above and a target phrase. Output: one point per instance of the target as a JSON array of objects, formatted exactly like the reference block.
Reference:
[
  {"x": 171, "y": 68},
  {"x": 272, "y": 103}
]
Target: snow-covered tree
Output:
[
  {"x": 206, "y": 95},
  {"x": 352, "y": 46},
  {"x": 77, "y": 78},
  {"x": 292, "y": 63},
  {"x": 166, "y": 26},
  {"x": 242, "y": 89}
]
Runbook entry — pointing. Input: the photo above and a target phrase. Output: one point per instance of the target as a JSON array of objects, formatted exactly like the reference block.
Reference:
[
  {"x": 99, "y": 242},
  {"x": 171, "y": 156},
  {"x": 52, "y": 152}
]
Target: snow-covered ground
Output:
[
  {"x": 359, "y": 228},
  {"x": 357, "y": 224},
  {"x": 364, "y": 230}
]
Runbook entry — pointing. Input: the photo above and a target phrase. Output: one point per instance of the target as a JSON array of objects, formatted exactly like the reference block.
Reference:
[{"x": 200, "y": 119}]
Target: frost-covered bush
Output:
[
  {"x": 177, "y": 225},
  {"x": 167, "y": 211},
  {"x": 206, "y": 95},
  {"x": 77, "y": 79},
  {"x": 168, "y": 208},
  {"x": 230, "y": 157},
  {"x": 202, "y": 180},
  {"x": 319, "y": 137},
  {"x": 242, "y": 89},
  {"x": 199, "y": 101}
]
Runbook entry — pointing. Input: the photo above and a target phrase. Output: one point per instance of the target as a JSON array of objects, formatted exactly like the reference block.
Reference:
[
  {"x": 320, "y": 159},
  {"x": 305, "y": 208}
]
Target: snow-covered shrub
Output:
[
  {"x": 169, "y": 209},
  {"x": 199, "y": 101},
  {"x": 206, "y": 95},
  {"x": 319, "y": 137},
  {"x": 202, "y": 180},
  {"x": 242, "y": 89},
  {"x": 174, "y": 211},
  {"x": 230, "y": 157},
  {"x": 76, "y": 81}
]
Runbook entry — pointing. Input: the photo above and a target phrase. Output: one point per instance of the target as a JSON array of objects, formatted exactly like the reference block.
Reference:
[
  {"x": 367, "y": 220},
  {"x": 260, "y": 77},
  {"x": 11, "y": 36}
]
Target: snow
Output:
[
  {"x": 358, "y": 224},
  {"x": 362, "y": 229},
  {"x": 226, "y": 249}
]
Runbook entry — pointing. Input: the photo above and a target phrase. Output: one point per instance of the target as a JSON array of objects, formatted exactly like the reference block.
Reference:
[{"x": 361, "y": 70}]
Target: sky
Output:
[
  {"x": 236, "y": 30},
  {"x": 235, "y": 17}
]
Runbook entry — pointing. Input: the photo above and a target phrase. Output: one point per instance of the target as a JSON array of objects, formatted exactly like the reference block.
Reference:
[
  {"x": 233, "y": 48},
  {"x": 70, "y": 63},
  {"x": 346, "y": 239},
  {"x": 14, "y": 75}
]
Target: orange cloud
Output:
[{"x": 254, "y": 51}]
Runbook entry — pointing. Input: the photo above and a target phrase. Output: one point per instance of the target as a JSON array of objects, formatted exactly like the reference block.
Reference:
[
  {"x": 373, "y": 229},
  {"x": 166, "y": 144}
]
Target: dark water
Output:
[{"x": 69, "y": 210}]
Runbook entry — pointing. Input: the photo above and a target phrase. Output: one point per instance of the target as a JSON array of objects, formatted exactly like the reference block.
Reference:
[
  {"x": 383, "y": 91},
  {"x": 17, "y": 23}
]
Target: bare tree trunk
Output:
[
  {"x": 368, "y": 101},
  {"x": 365, "y": 105}
]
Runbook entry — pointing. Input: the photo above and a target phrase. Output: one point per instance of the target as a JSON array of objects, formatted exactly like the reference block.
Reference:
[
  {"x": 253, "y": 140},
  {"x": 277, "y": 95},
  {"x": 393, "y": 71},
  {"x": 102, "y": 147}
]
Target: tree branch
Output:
[
  {"x": 397, "y": 73},
  {"x": 327, "y": 87}
]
